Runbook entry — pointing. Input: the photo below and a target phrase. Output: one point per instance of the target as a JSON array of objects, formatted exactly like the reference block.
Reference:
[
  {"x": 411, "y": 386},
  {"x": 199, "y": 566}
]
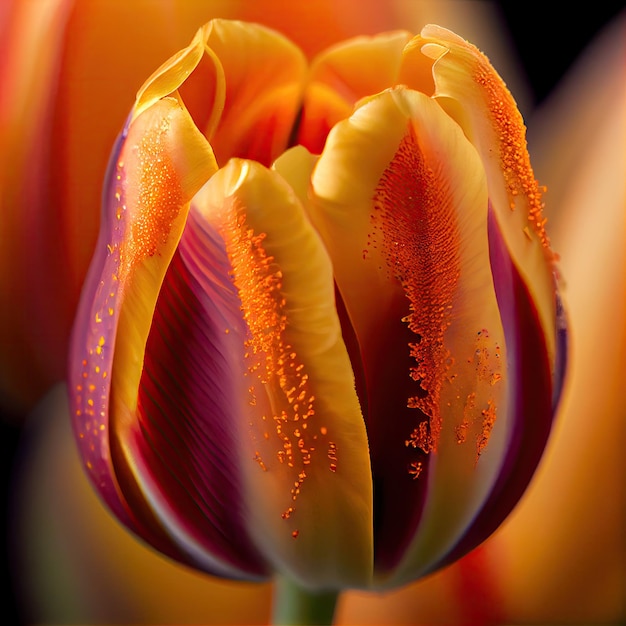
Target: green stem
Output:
[{"x": 296, "y": 606}]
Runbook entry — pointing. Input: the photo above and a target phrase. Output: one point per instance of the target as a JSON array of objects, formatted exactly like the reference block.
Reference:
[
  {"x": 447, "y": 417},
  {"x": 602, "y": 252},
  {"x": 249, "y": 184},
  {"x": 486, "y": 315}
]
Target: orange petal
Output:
[
  {"x": 252, "y": 77},
  {"x": 264, "y": 78},
  {"x": 344, "y": 74},
  {"x": 37, "y": 293}
]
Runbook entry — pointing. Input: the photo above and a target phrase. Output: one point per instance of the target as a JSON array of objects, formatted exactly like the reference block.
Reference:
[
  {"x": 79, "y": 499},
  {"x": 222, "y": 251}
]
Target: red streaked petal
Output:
[
  {"x": 188, "y": 409},
  {"x": 89, "y": 371},
  {"x": 304, "y": 446},
  {"x": 401, "y": 201}
]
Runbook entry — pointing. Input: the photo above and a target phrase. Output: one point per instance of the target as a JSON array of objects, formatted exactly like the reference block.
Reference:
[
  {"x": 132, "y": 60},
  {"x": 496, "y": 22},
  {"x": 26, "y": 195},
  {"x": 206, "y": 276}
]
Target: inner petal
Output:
[
  {"x": 242, "y": 84},
  {"x": 264, "y": 75},
  {"x": 341, "y": 76}
]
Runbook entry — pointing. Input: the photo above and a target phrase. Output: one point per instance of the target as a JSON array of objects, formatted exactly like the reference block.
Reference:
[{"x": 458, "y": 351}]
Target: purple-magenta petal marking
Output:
[
  {"x": 189, "y": 400},
  {"x": 89, "y": 366},
  {"x": 398, "y": 500},
  {"x": 562, "y": 350}
]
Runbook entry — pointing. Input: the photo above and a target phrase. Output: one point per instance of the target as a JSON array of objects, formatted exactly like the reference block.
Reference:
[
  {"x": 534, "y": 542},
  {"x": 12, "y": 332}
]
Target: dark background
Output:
[{"x": 547, "y": 44}]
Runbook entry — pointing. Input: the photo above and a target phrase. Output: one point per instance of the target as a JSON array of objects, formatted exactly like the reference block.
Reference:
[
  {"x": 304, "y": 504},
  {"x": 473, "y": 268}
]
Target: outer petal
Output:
[
  {"x": 304, "y": 448},
  {"x": 558, "y": 559},
  {"x": 162, "y": 161},
  {"x": 401, "y": 201},
  {"x": 471, "y": 91},
  {"x": 531, "y": 395}
]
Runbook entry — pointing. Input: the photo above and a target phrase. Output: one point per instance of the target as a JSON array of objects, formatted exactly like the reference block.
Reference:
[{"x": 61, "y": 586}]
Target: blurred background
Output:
[{"x": 41, "y": 518}]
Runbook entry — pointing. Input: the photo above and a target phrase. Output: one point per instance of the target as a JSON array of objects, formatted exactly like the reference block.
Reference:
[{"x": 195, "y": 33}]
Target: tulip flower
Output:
[{"x": 320, "y": 337}]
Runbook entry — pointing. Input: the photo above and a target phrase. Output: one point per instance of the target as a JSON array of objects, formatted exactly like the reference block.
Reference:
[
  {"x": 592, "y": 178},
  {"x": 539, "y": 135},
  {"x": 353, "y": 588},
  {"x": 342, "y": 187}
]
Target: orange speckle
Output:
[
  {"x": 288, "y": 513},
  {"x": 488, "y": 421},
  {"x": 461, "y": 431},
  {"x": 415, "y": 469},
  {"x": 421, "y": 438},
  {"x": 270, "y": 359},
  {"x": 510, "y": 133},
  {"x": 420, "y": 244},
  {"x": 259, "y": 460},
  {"x": 486, "y": 358},
  {"x": 159, "y": 199}
]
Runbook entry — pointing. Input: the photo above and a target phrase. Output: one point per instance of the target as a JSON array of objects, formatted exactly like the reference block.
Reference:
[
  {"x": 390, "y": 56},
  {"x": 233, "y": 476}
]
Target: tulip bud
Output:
[{"x": 320, "y": 336}]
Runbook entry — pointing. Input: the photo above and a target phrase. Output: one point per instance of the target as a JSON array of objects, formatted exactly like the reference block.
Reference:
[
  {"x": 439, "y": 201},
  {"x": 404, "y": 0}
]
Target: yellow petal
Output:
[
  {"x": 471, "y": 91},
  {"x": 309, "y": 489},
  {"x": 170, "y": 76},
  {"x": 163, "y": 162}
]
